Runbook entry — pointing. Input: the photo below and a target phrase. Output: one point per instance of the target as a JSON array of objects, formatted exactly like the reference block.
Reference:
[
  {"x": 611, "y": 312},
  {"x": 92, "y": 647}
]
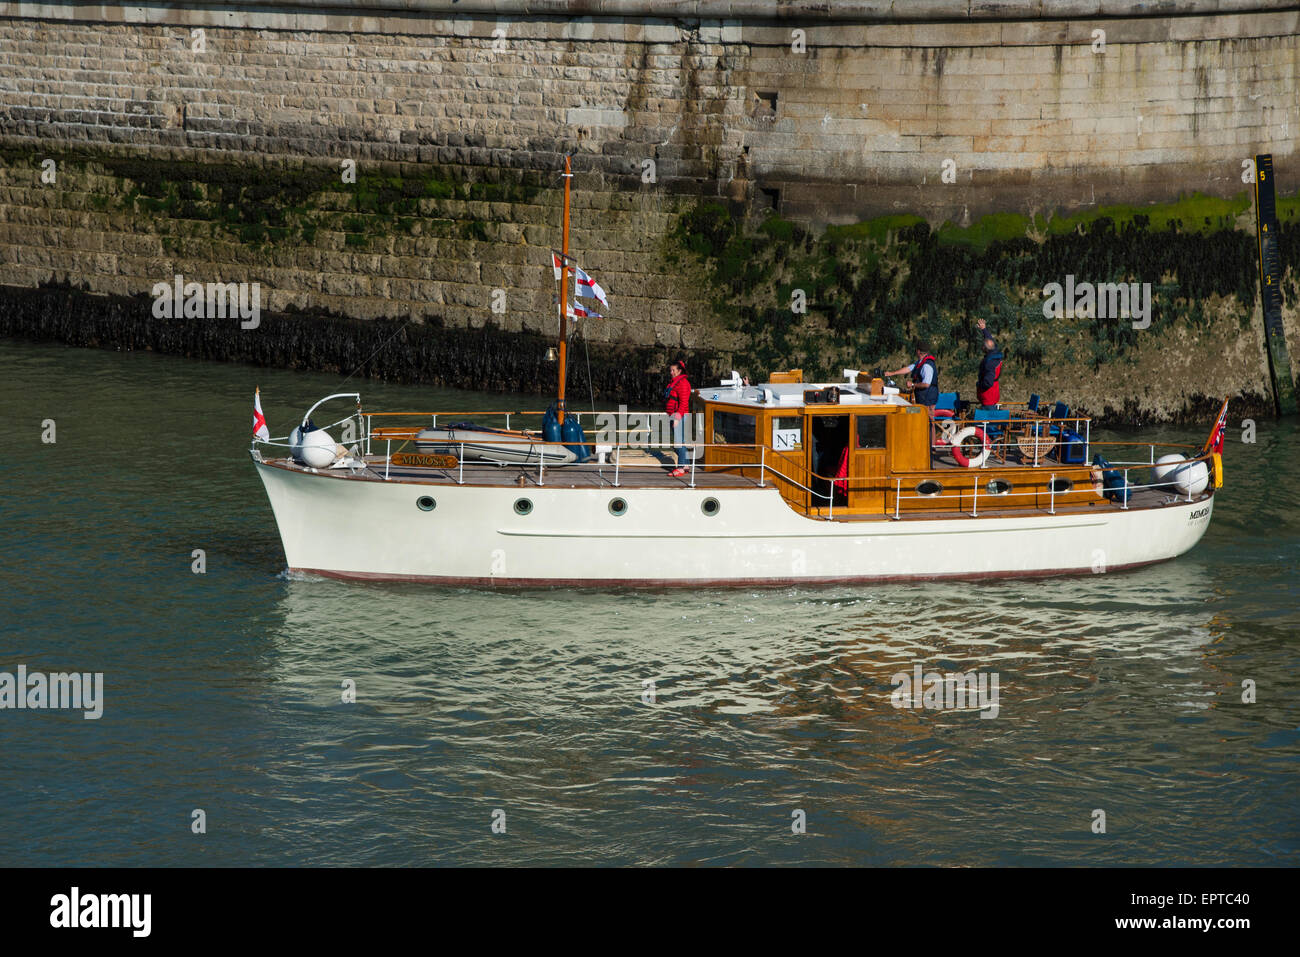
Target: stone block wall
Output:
[{"x": 830, "y": 113}]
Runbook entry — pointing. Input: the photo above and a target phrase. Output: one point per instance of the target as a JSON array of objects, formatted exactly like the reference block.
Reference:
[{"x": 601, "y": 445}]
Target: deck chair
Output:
[
  {"x": 1059, "y": 411},
  {"x": 1032, "y": 405},
  {"x": 988, "y": 419}
]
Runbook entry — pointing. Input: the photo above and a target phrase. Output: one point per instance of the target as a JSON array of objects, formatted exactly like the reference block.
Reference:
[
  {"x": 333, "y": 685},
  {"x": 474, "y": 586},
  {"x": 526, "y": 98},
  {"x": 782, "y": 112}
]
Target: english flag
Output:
[
  {"x": 579, "y": 311},
  {"x": 584, "y": 285},
  {"x": 259, "y": 420}
]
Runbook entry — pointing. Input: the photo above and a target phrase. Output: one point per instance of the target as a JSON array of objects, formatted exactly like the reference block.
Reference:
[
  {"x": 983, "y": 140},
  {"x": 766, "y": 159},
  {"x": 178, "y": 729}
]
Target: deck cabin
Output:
[{"x": 859, "y": 449}]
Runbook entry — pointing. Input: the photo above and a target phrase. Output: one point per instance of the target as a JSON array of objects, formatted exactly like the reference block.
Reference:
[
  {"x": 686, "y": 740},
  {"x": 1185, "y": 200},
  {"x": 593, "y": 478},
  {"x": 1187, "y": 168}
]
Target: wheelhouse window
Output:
[
  {"x": 787, "y": 433},
  {"x": 733, "y": 428},
  {"x": 871, "y": 431}
]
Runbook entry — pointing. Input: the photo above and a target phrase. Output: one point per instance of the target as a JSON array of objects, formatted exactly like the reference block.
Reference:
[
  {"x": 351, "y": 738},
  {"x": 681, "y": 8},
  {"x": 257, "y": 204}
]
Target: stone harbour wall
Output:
[{"x": 211, "y": 141}]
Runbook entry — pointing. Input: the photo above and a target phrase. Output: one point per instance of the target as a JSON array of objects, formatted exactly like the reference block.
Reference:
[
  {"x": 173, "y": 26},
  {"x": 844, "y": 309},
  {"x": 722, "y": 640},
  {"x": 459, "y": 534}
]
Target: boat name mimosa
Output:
[{"x": 425, "y": 461}]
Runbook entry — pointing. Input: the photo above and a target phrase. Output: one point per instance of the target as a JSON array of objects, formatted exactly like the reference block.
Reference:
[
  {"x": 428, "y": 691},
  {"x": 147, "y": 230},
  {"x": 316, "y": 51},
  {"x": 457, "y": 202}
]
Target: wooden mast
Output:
[{"x": 564, "y": 292}]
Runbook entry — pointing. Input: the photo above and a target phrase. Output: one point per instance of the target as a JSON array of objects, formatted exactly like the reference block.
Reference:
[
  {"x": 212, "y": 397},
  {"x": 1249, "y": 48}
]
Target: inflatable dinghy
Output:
[{"x": 478, "y": 443}]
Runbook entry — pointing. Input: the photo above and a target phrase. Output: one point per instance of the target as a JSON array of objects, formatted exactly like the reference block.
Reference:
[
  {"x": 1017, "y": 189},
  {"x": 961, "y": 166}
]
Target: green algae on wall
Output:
[
  {"x": 874, "y": 288},
  {"x": 257, "y": 205}
]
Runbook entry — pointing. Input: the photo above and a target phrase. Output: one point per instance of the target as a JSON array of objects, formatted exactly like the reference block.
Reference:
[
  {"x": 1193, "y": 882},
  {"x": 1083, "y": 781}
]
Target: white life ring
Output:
[{"x": 975, "y": 461}]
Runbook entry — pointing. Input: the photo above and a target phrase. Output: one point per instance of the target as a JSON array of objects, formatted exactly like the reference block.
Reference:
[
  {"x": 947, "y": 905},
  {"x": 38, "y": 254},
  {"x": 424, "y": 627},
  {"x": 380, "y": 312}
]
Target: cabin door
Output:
[
  {"x": 829, "y": 457},
  {"x": 868, "y": 471}
]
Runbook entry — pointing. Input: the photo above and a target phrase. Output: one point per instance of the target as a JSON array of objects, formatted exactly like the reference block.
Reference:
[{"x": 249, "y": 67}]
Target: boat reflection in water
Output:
[{"x": 766, "y": 701}]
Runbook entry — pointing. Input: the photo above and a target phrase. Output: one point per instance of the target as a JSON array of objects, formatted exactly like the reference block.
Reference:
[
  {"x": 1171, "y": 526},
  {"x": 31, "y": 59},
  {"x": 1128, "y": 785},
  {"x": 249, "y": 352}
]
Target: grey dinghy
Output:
[{"x": 476, "y": 443}]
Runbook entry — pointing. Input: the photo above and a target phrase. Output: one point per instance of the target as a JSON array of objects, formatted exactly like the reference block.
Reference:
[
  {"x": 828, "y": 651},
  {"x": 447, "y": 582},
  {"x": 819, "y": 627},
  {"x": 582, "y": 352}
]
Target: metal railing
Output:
[
  {"x": 1001, "y": 438},
  {"x": 844, "y": 487}
]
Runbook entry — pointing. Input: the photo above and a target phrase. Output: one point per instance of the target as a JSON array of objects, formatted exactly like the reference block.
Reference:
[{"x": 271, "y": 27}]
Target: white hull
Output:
[{"x": 352, "y": 528}]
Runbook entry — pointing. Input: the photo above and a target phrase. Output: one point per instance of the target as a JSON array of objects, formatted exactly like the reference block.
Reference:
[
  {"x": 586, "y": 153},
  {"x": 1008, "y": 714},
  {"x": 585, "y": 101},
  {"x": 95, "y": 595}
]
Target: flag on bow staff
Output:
[{"x": 260, "y": 430}]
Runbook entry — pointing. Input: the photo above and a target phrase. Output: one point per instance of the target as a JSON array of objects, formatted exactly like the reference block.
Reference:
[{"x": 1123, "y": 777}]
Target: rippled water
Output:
[{"x": 1118, "y": 692}]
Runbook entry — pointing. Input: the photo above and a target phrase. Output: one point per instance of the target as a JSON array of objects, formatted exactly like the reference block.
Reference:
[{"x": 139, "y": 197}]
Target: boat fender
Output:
[
  {"x": 297, "y": 437},
  {"x": 974, "y": 461},
  {"x": 1167, "y": 469},
  {"x": 1217, "y": 457},
  {"x": 551, "y": 431},
  {"x": 316, "y": 449},
  {"x": 1193, "y": 478},
  {"x": 574, "y": 438}
]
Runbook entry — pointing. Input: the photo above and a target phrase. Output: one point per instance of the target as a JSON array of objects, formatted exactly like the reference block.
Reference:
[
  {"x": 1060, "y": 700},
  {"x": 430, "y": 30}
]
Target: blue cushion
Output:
[
  {"x": 947, "y": 400},
  {"x": 1033, "y": 403}
]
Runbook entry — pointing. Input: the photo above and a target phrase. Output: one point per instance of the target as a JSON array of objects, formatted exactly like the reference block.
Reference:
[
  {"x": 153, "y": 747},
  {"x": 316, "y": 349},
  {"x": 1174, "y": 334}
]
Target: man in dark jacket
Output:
[{"x": 987, "y": 389}]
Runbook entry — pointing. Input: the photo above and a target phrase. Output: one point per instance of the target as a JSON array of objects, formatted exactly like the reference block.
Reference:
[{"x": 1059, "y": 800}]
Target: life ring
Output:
[{"x": 959, "y": 456}]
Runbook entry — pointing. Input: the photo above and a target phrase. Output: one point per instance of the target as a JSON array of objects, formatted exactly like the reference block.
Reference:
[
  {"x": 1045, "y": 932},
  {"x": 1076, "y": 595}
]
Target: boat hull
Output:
[{"x": 371, "y": 529}]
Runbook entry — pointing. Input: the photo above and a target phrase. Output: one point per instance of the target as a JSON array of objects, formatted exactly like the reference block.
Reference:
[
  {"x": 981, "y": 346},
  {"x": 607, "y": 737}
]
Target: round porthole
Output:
[
  {"x": 710, "y": 507},
  {"x": 1060, "y": 485},
  {"x": 425, "y": 503},
  {"x": 998, "y": 487},
  {"x": 617, "y": 506},
  {"x": 929, "y": 488},
  {"x": 523, "y": 506}
]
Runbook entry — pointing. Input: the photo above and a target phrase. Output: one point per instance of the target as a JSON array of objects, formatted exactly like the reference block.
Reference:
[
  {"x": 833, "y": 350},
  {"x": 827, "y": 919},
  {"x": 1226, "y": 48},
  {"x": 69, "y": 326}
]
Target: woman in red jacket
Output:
[{"x": 678, "y": 406}]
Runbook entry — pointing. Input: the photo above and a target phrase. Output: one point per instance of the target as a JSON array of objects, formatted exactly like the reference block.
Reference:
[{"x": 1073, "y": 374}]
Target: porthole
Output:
[
  {"x": 710, "y": 507},
  {"x": 928, "y": 488},
  {"x": 1060, "y": 485},
  {"x": 523, "y": 506},
  {"x": 998, "y": 487},
  {"x": 617, "y": 506},
  {"x": 425, "y": 503}
]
